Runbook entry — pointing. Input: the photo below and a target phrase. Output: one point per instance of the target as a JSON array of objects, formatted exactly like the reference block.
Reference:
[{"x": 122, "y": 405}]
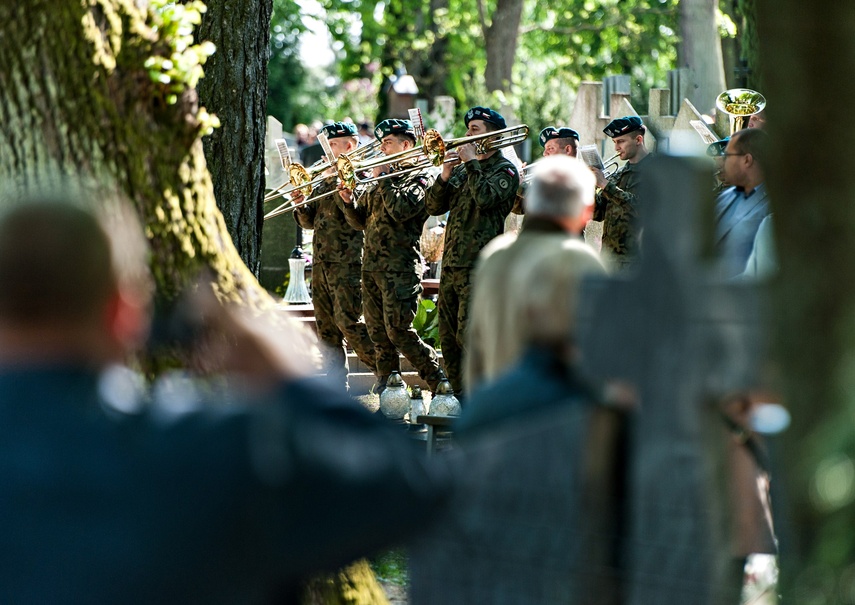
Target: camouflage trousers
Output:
[
  {"x": 391, "y": 299},
  {"x": 337, "y": 299},
  {"x": 455, "y": 290}
]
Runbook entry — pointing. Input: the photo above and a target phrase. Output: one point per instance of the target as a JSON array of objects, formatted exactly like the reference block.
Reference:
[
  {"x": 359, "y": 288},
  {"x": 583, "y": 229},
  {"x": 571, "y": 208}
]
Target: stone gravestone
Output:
[
  {"x": 569, "y": 509},
  {"x": 684, "y": 340}
]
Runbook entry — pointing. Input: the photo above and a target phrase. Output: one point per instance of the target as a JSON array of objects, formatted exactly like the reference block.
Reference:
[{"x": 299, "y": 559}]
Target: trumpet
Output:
[
  {"x": 303, "y": 179},
  {"x": 610, "y": 165},
  {"x": 740, "y": 104}
]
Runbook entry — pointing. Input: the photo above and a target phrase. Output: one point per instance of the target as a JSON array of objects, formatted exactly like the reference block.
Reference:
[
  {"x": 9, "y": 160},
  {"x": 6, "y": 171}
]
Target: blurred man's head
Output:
[
  {"x": 745, "y": 158},
  {"x": 65, "y": 290},
  {"x": 560, "y": 191}
]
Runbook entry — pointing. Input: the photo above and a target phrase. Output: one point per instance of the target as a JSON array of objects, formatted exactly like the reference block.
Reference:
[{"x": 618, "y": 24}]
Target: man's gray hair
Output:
[{"x": 561, "y": 188}]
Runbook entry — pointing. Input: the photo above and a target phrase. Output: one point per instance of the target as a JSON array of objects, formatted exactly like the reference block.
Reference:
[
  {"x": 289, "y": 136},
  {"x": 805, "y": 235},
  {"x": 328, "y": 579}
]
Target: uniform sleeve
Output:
[
  {"x": 356, "y": 212},
  {"x": 612, "y": 194},
  {"x": 438, "y": 197},
  {"x": 492, "y": 189},
  {"x": 305, "y": 215},
  {"x": 405, "y": 198}
]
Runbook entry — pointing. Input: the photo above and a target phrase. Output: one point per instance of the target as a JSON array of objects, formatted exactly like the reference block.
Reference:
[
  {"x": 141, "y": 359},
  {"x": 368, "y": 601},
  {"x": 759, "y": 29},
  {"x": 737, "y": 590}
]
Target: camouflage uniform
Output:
[
  {"x": 392, "y": 214},
  {"x": 478, "y": 197},
  {"x": 617, "y": 206},
  {"x": 336, "y": 273}
]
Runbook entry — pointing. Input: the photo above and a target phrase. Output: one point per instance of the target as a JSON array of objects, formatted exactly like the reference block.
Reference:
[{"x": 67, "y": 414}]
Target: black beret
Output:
[
  {"x": 486, "y": 114},
  {"x": 339, "y": 129},
  {"x": 623, "y": 126},
  {"x": 717, "y": 149},
  {"x": 387, "y": 127},
  {"x": 551, "y": 132}
]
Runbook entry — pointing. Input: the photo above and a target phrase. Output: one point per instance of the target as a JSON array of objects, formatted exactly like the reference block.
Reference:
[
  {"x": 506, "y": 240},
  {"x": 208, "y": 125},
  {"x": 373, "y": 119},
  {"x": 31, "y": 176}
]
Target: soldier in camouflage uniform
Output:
[
  {"x": 555, "y": 141},
  {"x": 477, "y": 191},
  {"x": 617, "y": 204},
  {"x": 392, "y": 214},
  {"x": 336, "y": 268}
]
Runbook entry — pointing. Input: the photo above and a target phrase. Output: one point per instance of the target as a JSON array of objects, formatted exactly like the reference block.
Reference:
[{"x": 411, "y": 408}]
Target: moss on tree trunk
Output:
[{"x": 77, "y": 98}]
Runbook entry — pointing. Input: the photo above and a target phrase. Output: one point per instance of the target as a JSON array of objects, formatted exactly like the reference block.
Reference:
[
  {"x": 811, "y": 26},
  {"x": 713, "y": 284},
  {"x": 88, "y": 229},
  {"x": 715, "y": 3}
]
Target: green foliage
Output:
[
  {"x": 587, "y": 40},
  {"x": 559, "y": 46},
  {"x": 426, "y": 322},
  {"x": 391, "y": 567},
  {"x": 181, "y": 68}
]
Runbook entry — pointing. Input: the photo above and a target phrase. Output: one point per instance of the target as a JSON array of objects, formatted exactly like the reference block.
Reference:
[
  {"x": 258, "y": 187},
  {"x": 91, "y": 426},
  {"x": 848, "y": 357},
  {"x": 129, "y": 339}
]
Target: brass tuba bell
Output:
[{"x": 740, "y": 104}]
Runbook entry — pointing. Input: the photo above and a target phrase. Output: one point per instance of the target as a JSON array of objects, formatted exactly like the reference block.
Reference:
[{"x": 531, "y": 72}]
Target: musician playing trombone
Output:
[
  {"x": 336, "y": 267},
  {"x": 477, "y": 190},
  {"x": 616, "y": 203},
  {"x": 391, "y": 211}
]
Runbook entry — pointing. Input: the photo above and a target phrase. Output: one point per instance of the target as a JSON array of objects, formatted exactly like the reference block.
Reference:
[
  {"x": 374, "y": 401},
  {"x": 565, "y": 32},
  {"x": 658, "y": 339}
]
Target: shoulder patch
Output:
[
  {"x": 510, "y": 171},
  {"x": 504, "y": 182},
  {"x": 423, "y": 180}
]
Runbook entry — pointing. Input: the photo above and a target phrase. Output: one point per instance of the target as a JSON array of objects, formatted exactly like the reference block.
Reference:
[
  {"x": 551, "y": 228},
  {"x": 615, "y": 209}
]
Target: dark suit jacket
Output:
[{"x": 194, "y": 502}]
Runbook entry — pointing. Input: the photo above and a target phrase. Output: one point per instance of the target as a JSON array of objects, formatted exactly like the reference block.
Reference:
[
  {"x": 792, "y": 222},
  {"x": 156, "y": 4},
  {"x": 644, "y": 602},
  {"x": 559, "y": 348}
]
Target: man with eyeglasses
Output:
[{"x": 741, "y": 207}]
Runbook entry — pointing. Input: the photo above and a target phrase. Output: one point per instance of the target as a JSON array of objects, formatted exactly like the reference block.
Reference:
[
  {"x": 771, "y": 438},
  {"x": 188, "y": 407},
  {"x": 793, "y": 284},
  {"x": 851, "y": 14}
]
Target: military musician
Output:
[
  {"x": 477, "y": 190},
  {"x": 391, "y": 212},
  {"x": 617, "y": 197},
  {"x": 336, "y": 266}
]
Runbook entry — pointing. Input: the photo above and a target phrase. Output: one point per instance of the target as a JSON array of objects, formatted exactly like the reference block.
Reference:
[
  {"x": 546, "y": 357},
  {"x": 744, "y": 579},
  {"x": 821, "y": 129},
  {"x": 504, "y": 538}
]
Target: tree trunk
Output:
[
  {"x": 500, "y": 39},
  {"x": 76, "y": 97},
  {"x": 432, "y": 71},
  {"x": 806, "y": 78},
  {"x": 235, "y": 89},
  {"x": 701, "y": 52}
]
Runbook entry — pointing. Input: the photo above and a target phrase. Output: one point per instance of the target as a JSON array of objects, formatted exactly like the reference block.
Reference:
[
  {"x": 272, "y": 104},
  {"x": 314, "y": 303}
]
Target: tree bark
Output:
[
  {"x": 500, "y": 39},
  {"x": 701, "y": 52},
  {"x": 76, "y": 98},
  {"x": 235, "y": 89},
  {"x": 806, "y": 77}
]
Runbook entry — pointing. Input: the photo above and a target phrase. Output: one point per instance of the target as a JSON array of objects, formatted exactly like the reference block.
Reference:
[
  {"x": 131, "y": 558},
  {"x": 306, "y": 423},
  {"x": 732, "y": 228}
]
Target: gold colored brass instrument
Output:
[
  {"x": 435, "y": 147},
  {"x": 302, "y": 179},
  {"x": 740, "y": 104},
  {"x": 431, "y": 152},
  {"x": 404, "y": 162},
  {"x": 285, "y": 208}
]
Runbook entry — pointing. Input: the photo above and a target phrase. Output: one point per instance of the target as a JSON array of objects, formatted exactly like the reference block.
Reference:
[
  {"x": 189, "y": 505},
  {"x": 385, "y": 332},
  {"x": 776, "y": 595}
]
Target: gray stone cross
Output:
[{"x": 682, "y": 339}]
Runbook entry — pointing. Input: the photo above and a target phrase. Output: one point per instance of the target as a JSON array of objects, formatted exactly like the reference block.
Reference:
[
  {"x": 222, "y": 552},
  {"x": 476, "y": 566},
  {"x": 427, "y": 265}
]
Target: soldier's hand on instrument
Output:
[
  {"x": 467, "y": 152},
  {"x": 380, "y": 170},
  {"x": 297, "y": 196},
  {"x": 451, "y": 160},
  {"x": 601, "y": 179},
  {"x": 345, "y": 193}
]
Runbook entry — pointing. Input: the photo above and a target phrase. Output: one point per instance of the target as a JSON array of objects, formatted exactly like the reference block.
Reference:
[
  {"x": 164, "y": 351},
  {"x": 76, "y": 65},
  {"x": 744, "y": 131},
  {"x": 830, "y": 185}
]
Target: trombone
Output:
[
  {"x": 284, "y": 208},
  {"x": 432, "y": 152},
  {"x": 435, "y": 147}
]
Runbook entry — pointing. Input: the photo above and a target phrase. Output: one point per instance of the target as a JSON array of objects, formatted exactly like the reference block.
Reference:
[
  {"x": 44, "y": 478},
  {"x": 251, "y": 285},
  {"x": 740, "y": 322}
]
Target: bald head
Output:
[{"x": 561, "y": 188}]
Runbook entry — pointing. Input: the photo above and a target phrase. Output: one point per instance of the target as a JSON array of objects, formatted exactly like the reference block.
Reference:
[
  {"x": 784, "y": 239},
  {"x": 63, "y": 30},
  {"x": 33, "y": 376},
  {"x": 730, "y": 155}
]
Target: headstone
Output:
[
  {"x": 683, "y": 340},
  {"x": 566, "y": 508}
]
